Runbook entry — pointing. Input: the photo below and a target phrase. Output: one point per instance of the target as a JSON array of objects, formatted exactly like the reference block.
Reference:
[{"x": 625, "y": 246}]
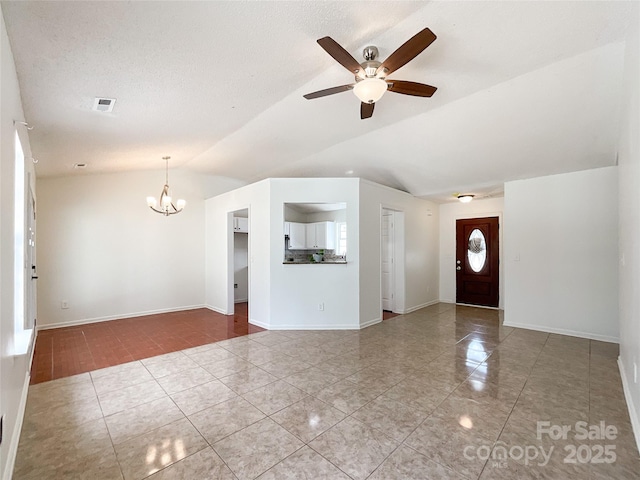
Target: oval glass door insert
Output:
[{"x": 477, "y": 250}]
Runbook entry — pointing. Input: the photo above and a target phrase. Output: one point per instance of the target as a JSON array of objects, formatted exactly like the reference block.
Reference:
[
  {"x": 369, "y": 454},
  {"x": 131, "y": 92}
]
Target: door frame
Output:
[
  {"x": 398, "y": 245},
  {"x": 231, "y": 309},
  {"x": 481, "y": 214}
]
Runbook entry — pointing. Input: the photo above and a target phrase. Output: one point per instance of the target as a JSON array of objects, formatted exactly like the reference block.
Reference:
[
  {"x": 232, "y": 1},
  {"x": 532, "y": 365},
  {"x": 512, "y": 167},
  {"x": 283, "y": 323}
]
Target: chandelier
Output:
[{"x": 166, "y": 207}]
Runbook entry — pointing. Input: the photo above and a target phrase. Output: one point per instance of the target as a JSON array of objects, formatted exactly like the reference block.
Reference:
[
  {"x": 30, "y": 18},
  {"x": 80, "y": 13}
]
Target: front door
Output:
[{"x": 477, "y": 261}]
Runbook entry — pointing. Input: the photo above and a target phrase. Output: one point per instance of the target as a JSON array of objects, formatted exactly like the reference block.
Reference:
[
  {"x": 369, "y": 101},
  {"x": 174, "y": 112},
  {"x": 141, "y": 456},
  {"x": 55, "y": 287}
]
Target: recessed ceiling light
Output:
[{"x": 349, "y": 172}]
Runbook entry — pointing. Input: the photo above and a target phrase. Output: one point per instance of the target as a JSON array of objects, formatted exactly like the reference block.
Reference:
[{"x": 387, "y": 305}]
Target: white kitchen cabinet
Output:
[
  {"x": 297, "y": 236},
  {"x": 240, "y": 225},
  {"x": 321, "y": 235}
]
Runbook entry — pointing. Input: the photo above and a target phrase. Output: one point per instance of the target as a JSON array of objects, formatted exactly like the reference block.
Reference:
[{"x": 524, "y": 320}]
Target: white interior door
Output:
[{"x": 387, "y": 269}]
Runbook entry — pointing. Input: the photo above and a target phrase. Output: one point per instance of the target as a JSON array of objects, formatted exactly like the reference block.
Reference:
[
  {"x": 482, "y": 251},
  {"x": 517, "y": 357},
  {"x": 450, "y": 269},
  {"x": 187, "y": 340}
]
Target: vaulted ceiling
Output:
[{"x": 524, "y": 89}]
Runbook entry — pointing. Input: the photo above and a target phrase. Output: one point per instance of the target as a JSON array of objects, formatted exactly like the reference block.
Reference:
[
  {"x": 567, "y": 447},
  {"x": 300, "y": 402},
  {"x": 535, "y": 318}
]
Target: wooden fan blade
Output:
[
  {"x": 328, "y": 91},
  {"x": 411, "y": 88},
  {"x": 408, "y": 51},
  {"x": 343, "y": 57},
  {"x": 366, "y": 110}
]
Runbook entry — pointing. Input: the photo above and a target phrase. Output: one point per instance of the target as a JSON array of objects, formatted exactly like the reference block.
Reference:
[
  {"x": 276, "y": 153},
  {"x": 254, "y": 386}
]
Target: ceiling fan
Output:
[{"x": 371, "y": 75}]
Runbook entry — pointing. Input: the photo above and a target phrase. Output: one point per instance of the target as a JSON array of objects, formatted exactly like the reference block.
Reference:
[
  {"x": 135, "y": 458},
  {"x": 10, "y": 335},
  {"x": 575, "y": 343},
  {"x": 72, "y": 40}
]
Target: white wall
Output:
[
  {"x": 219, "y": 250},
  {"x": 560, "y": 251},
  {"x": 629, "y": 228},
  {"x": 14, "y": 366},
  {"x": 449, "y": 213},
  {"x": 418, "y": 287},
  {"x": 297, "y": 290},
  {"x": 102, "y": 250},
  {"x": 350, "y": 293}
]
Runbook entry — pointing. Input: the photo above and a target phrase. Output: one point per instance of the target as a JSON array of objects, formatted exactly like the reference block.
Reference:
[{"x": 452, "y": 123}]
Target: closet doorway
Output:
[{"x": 241, "y": 269}]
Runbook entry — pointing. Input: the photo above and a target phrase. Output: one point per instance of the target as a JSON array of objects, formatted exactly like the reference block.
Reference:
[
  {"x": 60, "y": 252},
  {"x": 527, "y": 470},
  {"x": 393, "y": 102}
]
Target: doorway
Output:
[
  {"x": 477, "y": 261},
  {"x": 240, "y": 267},
  {"x": 387, "y": 253}
]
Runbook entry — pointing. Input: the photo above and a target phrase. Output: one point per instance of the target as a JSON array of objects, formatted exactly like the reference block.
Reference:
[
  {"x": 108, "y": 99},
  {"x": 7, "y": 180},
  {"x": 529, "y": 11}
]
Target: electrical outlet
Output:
[
  {"x": 64, "y": 304},
  {"x": 321, "y": 306}
]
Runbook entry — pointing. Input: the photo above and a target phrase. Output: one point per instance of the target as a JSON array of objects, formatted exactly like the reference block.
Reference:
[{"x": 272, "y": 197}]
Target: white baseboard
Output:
[
  {"x": 15, "y": 437},
  {"x": 418, "y": 307},
  {"x": 308, "y": 327},
  {"x": 633, "y": 413},
  {"x": 216, "y": 309},
  {"x": 84, "y": 321},
  {"x": 562, "y": 331},
  {"x": 257, "y": 323},
  {"x": 241, "y": 300},
  {"x": 370, "y": 322}
]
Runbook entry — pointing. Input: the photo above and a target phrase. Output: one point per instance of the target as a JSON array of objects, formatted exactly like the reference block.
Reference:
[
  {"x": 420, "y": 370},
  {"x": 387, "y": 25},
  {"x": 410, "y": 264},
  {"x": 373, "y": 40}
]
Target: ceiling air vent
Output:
[
  {"x": 103, "y": 104},
  {"x": 79, "y": 165}
]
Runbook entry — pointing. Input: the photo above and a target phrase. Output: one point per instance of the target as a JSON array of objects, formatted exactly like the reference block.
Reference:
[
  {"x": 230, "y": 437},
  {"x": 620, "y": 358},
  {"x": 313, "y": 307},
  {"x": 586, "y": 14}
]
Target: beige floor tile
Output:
[
  {"x": 177, "y": 382},
  {"x": 227, "y": 366},
  {"x": 223, "y": 419},
  {"x": 354, "y": 447},
  {"x": 168, "y": 364},
  {"x": 63, "y": 447},
  {"x": 348, "y": 396},
  {"x": 312, "y": 380},
  {"x": 274, "y": 396},
  {"x": 391, "y": 417},
  {"x": 141, "y": 456},
  {"x": 41, "y": 423},
  {"x": 119, "y": 377},
  {"x": 253, "y": 450},
  {"x": 202, "y": 396},
  {"x": 417, "y": 395},
  {"x": 445, "y": 441},
  {"x": 308, "y": 418},
  {"x": 100, "y": 466},
  {"x": 305, "y": 463},
  {"x": 210, "y": 355},
  {"x": 129, "y": 397},
  {"x": 45, "y": 396},
  {"x": 141, "y": 419},
  {"x": 205, "y": 464},
  {"x": 284, "y": 367},
  {"x": 247, "y": 380},
  {"x": 407, "y": 464}
]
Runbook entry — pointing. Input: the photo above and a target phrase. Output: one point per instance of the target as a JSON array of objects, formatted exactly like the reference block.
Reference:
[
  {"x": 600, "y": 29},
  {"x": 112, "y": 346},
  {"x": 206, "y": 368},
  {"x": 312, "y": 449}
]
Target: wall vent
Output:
[
  {"x": 101, "y": 104},
  {"x": 79, "y": 165}
]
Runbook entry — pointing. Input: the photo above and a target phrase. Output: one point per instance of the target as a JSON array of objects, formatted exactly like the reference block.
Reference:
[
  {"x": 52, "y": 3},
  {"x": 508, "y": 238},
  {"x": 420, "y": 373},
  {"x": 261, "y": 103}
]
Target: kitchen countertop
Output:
[{"x": 309, "y": 262}]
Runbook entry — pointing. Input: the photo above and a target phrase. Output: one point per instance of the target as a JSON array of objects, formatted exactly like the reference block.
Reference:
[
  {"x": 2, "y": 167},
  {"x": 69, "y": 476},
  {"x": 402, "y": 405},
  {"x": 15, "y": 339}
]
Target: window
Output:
[
  {"x": 341, "y": 238},
  {"x": 22, "y": 333}
]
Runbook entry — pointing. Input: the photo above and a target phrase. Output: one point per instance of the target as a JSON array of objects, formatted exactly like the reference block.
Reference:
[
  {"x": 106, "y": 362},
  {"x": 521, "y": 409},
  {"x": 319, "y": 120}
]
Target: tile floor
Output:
[
  {"x": 63, "y": 352},
  {"x": 442, "y": 393}
]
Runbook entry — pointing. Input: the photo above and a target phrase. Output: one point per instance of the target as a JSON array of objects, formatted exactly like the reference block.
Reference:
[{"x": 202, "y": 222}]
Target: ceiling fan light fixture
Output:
[
  {"x": 370, "y": 90},
  {"x": 465, "y": 198}
]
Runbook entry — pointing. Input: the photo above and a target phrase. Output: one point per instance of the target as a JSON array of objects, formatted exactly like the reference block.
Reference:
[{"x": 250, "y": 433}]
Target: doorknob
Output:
[
  {"x": 458, "y": 267},
  {"x": 458, "y": 262}
]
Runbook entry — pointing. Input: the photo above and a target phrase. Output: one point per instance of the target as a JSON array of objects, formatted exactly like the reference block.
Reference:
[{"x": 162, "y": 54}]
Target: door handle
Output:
[
  {"x": 458, "y": 267},
  {"x": 34, "y": 277}
]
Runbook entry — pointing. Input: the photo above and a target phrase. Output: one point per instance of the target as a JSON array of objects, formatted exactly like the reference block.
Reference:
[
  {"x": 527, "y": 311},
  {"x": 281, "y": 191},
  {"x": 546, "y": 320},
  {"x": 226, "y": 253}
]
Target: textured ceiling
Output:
[{"x": 524, "y": 89}]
